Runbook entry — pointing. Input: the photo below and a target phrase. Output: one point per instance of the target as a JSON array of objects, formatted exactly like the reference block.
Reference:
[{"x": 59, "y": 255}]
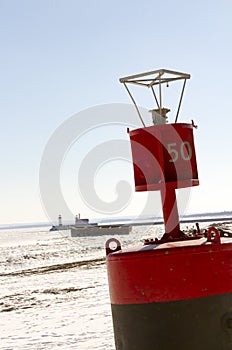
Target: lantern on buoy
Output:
[{"x": 176, "y": 292}]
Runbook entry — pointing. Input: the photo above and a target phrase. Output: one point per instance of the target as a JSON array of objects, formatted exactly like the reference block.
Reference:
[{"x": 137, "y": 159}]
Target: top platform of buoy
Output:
[{"x": 150, "y": 80}]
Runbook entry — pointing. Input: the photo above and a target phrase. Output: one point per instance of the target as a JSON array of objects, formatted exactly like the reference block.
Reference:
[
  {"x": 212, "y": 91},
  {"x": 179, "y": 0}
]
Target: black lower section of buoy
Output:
[{"x": 192, "y": 324}]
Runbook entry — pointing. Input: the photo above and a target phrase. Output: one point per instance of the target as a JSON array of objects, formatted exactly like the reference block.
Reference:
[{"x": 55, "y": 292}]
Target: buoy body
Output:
[
  {"x": 176, "y": 292},
  {"x": 176, "y": 295}
]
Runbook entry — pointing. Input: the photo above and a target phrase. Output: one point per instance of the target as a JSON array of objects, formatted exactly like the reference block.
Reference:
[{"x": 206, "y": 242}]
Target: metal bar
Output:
[
  {"x": 154, "y": 94},
  {"x": 160, "y": 93},
  {"x": 162, "y": 81},
  {"x": 181, "y": 96},
  {"x": 143, "y": 80},
  {"x": 155, "y": 82},
  {"x": 167, "y": 80},
  {"x": 183, "y": 75},
  {"x": 125, "y": 79},
  {"x": 136, "y": 82},
  {"x": 159, "y": 72},
  {"x": 136, "y": 107},
  {"x": 152, "y": 81}
]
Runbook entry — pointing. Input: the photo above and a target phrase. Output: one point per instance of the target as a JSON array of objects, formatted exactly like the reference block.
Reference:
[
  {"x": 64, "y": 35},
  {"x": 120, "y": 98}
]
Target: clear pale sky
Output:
[{"x": 59, "y": 57}]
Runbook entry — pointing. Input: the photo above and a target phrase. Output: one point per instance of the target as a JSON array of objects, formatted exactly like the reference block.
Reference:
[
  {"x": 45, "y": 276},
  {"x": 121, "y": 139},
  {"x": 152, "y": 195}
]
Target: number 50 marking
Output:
[{"x": 172, "y": 149}]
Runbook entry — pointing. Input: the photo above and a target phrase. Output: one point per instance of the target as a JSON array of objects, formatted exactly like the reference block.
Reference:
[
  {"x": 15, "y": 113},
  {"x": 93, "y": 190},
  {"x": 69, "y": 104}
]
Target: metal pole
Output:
[
  {"x": 160, "y": 93},
  {"x": 182, "y": 92},
  {"x": 170, "y": 212},
  {"x": 153, "y": 91},
  {"x": 140, "y": 117}
]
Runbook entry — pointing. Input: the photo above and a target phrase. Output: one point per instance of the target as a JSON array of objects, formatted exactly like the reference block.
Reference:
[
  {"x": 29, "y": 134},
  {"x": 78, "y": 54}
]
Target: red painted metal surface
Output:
[
  {"x": 164, "y": 154},
  {"x": 171, "y": 271}
]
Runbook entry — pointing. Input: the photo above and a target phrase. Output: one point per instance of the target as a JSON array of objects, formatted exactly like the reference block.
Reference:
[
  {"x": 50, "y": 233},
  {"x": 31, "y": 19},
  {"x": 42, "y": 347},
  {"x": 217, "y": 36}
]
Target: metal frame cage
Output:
[{"x": 152, "y": 78}]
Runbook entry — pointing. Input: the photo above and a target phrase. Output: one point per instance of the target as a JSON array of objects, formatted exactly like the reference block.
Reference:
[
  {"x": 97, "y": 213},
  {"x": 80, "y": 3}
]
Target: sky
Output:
[{"x": 60, "y": 58}]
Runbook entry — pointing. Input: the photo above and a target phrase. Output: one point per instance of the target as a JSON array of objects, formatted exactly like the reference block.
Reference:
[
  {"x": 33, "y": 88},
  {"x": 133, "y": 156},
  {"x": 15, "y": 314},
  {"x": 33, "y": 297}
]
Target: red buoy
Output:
[{"x": 176, "y": 292}]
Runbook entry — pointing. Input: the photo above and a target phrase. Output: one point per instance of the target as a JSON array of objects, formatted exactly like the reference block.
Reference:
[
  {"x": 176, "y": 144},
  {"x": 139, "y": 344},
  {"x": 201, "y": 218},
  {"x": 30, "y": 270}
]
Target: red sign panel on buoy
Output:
[{"x": 162, "y": 155}]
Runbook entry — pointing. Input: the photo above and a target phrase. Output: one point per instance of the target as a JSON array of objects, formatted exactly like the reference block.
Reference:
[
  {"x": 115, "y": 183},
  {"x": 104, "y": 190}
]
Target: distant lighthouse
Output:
[
  {"x": 60, "y": 220},
  {"x": 77, "y": 218}
]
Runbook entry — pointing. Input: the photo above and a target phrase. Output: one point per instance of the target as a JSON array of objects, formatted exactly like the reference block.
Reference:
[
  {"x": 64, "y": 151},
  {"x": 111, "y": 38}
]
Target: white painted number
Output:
[
  {"x": 173, "y": 152},
  {"x": 185, "y": 151},
  {"x": 186, "y": 155}
]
